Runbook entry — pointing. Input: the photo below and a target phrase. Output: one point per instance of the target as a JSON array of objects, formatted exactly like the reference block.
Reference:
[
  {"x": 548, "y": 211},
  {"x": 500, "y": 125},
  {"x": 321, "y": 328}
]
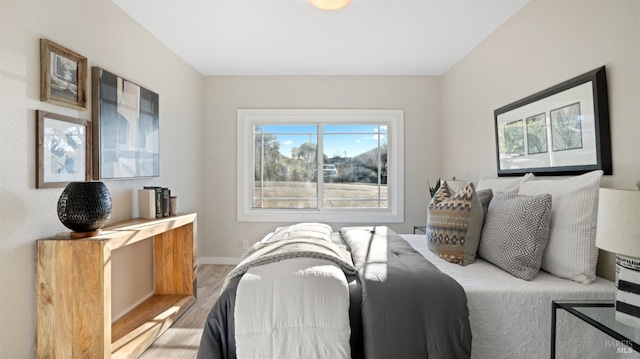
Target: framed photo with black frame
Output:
[
  {"x": 63, "y": 152},
  {"x": 563, "y": 130},
  {"x": 63, "y": 76},
  {"x": 125, "y": 128}
]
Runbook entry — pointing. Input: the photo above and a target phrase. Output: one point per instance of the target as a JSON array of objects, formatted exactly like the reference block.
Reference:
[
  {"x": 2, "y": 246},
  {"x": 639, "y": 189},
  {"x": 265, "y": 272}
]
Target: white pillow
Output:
[
  {"x": 571, "y": 251},
  {"x": 506, "y": 185}
]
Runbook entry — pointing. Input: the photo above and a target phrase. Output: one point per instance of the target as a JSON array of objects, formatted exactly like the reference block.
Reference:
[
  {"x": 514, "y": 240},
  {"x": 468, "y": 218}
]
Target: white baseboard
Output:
[{"x": 218, "y": 260}]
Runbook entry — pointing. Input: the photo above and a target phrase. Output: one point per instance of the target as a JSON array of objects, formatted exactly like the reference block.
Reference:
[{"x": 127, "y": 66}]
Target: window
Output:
[{"x": 320, "y": 165}]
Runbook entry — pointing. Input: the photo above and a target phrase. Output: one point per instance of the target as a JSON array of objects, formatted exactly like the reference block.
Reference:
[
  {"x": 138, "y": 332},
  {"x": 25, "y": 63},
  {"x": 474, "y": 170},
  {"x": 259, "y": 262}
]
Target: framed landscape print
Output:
[
  {"x": 563, "y": 130},
  {"x": 125, "y": 128},
  {"x": 63, "y": 150},
  {"x": 63, "y": 76}
]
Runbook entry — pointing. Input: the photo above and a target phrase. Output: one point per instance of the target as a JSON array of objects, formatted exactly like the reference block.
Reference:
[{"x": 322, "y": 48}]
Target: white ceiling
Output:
[{"x": 290, "y": 37}]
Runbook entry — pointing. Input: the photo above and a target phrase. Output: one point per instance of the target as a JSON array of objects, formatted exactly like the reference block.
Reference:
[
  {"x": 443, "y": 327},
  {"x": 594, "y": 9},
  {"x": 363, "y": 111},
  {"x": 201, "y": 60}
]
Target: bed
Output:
[
  {"x": 497, "y": 306},
  {"x": 507, "y": 315}
]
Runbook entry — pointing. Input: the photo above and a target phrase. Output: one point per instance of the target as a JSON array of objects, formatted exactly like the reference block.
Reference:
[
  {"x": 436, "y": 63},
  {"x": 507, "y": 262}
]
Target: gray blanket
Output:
[{"x": 409, "y": 308}]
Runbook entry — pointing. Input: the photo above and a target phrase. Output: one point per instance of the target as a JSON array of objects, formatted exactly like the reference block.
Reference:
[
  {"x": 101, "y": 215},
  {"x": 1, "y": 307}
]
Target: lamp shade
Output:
[
  {"x": 330, "y": 4},
  {"x": 618, "y": 229}
]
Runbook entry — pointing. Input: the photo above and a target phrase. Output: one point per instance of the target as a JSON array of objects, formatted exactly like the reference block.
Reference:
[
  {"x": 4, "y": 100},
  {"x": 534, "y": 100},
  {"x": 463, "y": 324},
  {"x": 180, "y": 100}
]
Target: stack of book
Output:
[{"x": 154, "y": 202}]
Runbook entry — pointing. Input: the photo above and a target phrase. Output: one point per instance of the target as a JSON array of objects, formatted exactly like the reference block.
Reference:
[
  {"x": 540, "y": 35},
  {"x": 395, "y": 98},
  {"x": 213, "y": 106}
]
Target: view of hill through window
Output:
[{"x": 287, "y": 166}]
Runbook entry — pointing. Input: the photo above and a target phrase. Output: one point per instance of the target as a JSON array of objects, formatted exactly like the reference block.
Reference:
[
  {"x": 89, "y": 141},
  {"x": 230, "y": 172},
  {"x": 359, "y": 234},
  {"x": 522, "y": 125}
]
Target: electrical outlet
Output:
[{"x": 245, "y": 244}]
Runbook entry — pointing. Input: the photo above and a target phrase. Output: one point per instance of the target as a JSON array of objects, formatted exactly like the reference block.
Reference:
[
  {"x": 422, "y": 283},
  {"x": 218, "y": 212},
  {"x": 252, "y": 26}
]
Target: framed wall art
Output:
[
  {"x": 563, "y": 130},
  {"x": 125, "y": 128},
  {"x": 63, "y": 152},
  {"x": 63, "y": 76}
]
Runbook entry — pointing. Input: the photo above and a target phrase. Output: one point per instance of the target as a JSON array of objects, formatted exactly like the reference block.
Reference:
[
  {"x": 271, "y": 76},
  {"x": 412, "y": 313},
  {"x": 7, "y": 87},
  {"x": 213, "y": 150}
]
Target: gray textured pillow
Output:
[
  {"x": 485, "y": 197},
  {"x": 515, "y": 233},
  {"x": 454, "y": 223}
]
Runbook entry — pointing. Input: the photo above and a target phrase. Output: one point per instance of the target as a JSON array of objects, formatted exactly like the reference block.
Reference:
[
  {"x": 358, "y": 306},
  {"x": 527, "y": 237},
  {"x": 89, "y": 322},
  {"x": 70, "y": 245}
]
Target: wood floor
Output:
[{"x": 181, "y": 341}]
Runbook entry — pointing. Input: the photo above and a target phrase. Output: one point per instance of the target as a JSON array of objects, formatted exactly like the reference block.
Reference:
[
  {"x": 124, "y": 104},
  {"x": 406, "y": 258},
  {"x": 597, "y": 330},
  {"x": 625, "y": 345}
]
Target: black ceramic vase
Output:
[{"x": 85, "y": 207}]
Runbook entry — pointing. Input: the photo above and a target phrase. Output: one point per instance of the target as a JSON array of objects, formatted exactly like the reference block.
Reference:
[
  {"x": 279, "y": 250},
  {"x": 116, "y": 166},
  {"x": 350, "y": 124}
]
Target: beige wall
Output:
[
  {"x": 100, "y": 31},
  {"x": 419, "y": 96},
  {"x": 546, "y": 43}
]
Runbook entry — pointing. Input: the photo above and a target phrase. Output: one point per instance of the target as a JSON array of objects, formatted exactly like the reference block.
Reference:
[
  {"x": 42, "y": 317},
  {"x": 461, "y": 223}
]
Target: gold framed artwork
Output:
[
  {"x": 63, "y": 150},
  {"x": 63, "y": 76}
]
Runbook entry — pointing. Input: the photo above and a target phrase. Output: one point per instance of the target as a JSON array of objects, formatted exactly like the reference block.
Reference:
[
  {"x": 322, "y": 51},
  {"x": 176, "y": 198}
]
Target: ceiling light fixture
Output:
[{"x": 330, "y": 4}]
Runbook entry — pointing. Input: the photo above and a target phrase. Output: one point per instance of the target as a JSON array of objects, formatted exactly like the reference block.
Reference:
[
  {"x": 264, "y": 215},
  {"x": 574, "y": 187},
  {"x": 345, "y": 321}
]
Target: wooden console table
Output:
[{"x": 73, "y": 289}]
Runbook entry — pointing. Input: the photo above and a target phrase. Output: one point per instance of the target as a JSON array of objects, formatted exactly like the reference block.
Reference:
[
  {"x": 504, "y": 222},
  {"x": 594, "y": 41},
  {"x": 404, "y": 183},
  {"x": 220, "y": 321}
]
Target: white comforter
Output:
[{"x": 304, "y": 299}]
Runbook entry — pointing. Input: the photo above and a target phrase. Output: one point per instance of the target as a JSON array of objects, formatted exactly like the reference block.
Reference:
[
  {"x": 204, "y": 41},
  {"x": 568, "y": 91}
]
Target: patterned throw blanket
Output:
[{"x": 310, "y": 240}]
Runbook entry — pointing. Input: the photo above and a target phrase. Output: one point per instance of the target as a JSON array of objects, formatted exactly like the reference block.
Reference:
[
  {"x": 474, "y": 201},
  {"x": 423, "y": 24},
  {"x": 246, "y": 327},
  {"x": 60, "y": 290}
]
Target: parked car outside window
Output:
[{"x": 330, "y": 171}]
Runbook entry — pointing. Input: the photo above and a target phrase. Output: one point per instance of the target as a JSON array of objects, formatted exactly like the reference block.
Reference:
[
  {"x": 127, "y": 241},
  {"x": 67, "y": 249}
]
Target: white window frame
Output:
[{"x": 248, "y": 118}]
